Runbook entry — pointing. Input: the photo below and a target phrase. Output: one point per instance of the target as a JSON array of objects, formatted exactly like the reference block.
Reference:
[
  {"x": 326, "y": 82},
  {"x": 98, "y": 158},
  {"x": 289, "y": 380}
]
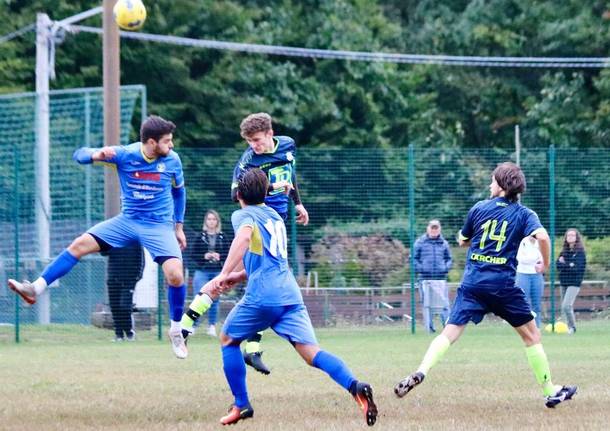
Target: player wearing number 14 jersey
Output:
[{"x": 493, "y": 231}]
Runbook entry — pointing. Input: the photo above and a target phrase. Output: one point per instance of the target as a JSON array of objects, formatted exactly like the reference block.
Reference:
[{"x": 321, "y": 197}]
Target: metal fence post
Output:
[
  {"x": 293, "y": 240},
  {"x": 552, "y": 229},
  {"x": 16, "y": 169},
  {"x": 159, "y": 303},
  {"x": 411, "y": 180}
]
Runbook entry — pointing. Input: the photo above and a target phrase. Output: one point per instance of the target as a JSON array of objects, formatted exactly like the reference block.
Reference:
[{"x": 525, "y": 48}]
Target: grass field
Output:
[{"x": 74, "y": 378}]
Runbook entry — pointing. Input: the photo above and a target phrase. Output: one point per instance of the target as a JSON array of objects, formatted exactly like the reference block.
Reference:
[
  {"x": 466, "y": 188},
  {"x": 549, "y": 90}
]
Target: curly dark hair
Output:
[
  {"x": 155, "y": 127},
  {"x": 252, "y": 187}
]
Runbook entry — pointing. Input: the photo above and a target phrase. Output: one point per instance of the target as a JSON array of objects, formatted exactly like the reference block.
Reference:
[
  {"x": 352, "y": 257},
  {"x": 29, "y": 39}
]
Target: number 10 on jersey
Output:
[{"x": 278, "y": 244}]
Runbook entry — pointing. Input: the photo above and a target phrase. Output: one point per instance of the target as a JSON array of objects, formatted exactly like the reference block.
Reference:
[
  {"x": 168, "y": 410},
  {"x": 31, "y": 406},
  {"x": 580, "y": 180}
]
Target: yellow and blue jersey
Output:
[
  {"x": 146, "y": 184},
  {"x": 495, "y": 228},
  {"x": 270, "y": 281},
  {"x": 279, "y": 165}
]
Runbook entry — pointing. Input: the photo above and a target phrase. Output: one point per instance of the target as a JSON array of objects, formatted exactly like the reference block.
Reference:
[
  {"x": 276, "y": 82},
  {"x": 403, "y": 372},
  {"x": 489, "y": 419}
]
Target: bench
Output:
[
  {"x": 594, "y": 296},
  {"x": 362, "y": 305}
]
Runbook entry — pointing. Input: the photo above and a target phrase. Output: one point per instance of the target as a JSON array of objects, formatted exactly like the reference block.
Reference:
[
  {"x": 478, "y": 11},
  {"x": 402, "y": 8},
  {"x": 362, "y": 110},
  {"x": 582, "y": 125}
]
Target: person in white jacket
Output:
[{"x": 529, "y": 274}]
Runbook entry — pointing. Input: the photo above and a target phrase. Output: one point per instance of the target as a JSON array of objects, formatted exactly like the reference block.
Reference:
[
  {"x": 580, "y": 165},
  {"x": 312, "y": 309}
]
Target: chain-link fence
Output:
[
  {"x": 367, "y": 206},
  {"x": 75, "y": 192}
]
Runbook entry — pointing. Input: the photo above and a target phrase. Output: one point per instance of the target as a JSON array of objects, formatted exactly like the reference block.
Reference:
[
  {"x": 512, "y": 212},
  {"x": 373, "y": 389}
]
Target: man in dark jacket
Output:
[
  {"x": 432, "y": 263},
  {"x": 124, "y": 270}
]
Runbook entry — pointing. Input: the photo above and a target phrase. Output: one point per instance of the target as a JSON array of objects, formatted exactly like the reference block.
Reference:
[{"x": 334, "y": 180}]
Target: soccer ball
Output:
[
  {"x": 560, "y": 328},
  {"x": 129, "y": 14}
]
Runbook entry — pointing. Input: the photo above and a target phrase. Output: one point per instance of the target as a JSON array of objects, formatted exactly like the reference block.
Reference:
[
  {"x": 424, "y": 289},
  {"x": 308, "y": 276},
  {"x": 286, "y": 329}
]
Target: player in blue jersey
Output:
[
  {"x": 276, "y": 156},
  {"x": 493, "y": 231},
  {"x": 153, "y": 201},
  {"x": 272, "y": 299}
]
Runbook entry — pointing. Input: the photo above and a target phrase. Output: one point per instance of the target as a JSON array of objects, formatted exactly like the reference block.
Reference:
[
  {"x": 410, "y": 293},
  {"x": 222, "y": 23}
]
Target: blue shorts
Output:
[
  {"x": 288, "y": 321},
  {"x": 473, "y": 302},
  {"x": 158, "y": 238}
]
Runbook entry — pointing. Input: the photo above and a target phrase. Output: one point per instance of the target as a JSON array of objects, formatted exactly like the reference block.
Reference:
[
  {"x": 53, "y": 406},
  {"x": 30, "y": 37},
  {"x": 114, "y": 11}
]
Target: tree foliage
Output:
[
  {"x": 359, "y": 105},
  {"x": 322, "y": 102}
]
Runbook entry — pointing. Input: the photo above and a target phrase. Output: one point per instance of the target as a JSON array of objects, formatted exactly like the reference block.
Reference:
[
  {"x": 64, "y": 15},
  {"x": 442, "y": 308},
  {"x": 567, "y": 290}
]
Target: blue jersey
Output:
[
  {"x": 146, "y": 184},
  {"x": 270, "y": 281},
  {"x": 495, "y": 228},
  {"x": 277, "y": 164}
]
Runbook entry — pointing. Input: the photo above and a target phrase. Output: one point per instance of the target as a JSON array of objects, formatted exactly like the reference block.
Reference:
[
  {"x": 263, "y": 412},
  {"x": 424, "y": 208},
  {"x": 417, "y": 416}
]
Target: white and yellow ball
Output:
[
  {"x": 560, "y": 328},
  {"x": 129, "y": 14}
]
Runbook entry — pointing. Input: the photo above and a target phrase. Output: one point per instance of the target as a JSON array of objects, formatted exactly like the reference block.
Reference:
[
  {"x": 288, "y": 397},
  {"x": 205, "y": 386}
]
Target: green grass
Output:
[{"x": 67, "y": 377}]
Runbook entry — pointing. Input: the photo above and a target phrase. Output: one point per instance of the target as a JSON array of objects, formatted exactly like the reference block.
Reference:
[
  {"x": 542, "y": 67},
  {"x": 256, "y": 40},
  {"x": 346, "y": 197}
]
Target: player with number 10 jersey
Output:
[{"x": 270, "y": 281}]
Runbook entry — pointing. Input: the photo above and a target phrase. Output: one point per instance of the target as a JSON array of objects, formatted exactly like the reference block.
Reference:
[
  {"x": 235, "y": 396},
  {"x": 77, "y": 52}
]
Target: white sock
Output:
[
  {"x": 39, "y": 285},
  {"x": 175, "y": 326}
]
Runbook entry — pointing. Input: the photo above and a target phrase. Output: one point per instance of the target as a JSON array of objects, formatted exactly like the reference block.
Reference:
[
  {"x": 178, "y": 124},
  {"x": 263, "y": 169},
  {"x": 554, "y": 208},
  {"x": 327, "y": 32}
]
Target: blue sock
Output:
[
  {"x": 335, "y": 368},
  {"x": 59, "y": 267},
  {"x": 235, "y": 373},
  {"x": 175, "y": 299}
]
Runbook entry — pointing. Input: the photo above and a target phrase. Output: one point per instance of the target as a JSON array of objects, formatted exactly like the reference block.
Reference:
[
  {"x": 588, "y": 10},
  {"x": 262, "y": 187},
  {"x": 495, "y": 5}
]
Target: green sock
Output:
[
  {"x": 435, "y": 352},
  {"x": 540, "y": 365},
  {"x": 200, "y": 305}
]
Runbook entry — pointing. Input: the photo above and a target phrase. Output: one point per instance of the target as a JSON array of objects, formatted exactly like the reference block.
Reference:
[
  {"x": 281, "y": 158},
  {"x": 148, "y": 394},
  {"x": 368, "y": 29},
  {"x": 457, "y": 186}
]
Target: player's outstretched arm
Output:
[
  {"x": 231, "y": 280},
  {"x": 238, "y": 249},
  {"x": 544, "y": 242},
  {"x": 302, "y": 214},
  {"x": 89, "y": 155},
  {"x": 233, "y": 270}
]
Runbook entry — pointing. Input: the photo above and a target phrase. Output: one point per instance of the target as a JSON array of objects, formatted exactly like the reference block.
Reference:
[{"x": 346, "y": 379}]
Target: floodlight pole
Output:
[
  {"x": 112, "y": 105},
  {"x": 45, "y": 29},
  {"x": 43, "y": 195}
]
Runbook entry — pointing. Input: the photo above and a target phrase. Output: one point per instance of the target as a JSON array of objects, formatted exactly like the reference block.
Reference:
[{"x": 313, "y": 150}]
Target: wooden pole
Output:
[{"x": 112, "y": 105}]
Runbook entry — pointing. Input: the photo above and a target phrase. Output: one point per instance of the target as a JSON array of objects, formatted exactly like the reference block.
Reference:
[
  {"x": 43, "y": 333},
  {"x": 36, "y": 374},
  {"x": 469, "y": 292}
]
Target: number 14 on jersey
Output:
[{"x": 489, "y": 231}]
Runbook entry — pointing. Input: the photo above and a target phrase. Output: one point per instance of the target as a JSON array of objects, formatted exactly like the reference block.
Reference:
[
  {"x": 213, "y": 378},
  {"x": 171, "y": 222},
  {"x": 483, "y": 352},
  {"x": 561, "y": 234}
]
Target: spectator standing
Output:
[
  {"x": 124, "y": 270},
  {"x": 571, "y": 266},
  {"x": 432, "y": 264},
  {"x": 208, "y": 252},
  {"x": 529, "y": 274}
]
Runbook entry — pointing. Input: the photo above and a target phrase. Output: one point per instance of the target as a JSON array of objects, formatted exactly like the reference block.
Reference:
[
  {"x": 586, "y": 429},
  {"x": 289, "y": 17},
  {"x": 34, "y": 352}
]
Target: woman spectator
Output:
[
  {"x": 571, "y": 266},
  {"x": 529, "y": 274},
  {"x": 208, "y": 253}
]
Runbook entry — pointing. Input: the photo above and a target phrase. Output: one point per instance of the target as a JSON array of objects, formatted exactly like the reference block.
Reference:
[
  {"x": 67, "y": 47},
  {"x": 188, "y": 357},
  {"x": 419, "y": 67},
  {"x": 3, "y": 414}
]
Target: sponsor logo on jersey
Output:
[
  {"x": 142, "y": 196},
  {"x": 144, "y": 187},
  {"x": 150, "y": 176},
  {"x": 496, "y": 260}
]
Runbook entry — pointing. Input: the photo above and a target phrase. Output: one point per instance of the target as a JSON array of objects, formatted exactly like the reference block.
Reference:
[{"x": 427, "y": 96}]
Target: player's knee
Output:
[
  {"x": 174, "y": 277},
  {"x": 83, "y": 245},
  {"x": 225, "y": 340},
  {"x": 307, "y": 351}
]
